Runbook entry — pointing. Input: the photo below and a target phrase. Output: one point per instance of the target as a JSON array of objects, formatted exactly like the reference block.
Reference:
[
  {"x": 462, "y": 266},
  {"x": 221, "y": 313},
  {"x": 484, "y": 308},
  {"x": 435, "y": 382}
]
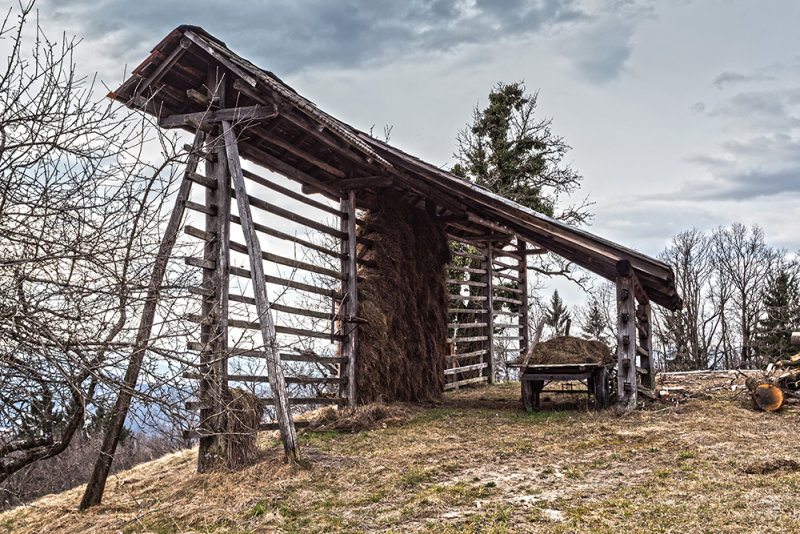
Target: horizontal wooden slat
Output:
[
  {"x": 501, "y": 265},
  {"x": 252, "y": 325},
  {"x": 466, "y": 339},
  {"x": 285, "y": 356},
  {"x": 294, "y": 217},
  {"x": 503, "y": 325},
  {"x": 454, "y": 385},
  {"x": 472, "y": 354},
  {"x": 508, "y": 338},
  {"x": 467, "y": 310},
  {"x": 466, "y": 325},
  {"x": 466, "y": 269},
  {"x": 465, "y": 368},
  {"x": 466, "y": 283},
  {"x": 282, "y": 308},
  {"x": 300, "y": 197},
  {"x": 201, "y": 180},
  {"x": 509, "y": 289},
  {"x": 202, "y": 208},
  {"x": 289, "y": 237},
  {"x": 510, "y": 301},
  {"x": 468, "y": 255},
  {"x": 265, "y": 379},
  {"x": 507, "y": 276},
  {"x": 468, "y": 297},
  {"x": 506, "y": 253}
]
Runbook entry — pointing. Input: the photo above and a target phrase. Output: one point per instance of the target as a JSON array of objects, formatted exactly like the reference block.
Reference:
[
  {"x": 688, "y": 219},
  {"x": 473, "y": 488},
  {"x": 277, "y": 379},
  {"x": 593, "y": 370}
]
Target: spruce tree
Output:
[{"x": 781, "y": 303}]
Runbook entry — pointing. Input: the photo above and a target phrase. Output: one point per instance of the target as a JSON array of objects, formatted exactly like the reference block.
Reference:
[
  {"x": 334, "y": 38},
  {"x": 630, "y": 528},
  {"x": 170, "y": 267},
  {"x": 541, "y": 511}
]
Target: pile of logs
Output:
[{"x": 779, "y": 380}]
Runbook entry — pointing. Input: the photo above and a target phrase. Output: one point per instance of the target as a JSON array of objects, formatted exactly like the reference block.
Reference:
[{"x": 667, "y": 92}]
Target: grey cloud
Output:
[
  {"x": 288, "y": 36},
  {"x": 733, "y": 78}
]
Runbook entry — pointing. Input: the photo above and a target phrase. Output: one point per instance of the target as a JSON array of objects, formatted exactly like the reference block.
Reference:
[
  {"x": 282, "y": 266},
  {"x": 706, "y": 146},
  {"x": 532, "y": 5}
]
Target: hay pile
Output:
[
  {"x": 244, "y": 414},
  {"x": 404, "y": 298},
  {"x": 367, "y": 417},
  {"x": 568, "y": 349}
]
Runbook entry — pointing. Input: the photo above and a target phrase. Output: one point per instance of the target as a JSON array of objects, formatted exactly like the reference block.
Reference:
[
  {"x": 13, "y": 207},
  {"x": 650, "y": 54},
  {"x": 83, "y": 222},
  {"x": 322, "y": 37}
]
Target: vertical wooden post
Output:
[
  {"x": 349, "y": 346},
  {"x": 97, "y": 481},
  {"x": 645, "y": 329},
  {"x": 277, "y": 381},
  {"x": 488, "y": 266},
  {"x": 214, "y": 335},
  {"x": 626, "y": 343},
  {"x": 522, "y": 247}
]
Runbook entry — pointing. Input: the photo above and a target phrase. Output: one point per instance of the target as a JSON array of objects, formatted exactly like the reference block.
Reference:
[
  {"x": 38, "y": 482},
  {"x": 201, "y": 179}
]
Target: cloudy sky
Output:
[{"x": 681, "y": 113}]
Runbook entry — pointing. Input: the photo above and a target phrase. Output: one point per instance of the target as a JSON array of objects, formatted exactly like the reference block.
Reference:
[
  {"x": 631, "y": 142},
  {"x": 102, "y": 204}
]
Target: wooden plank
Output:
[
  {"x": 456, "y": 385},
  {"x": 508, "y": 289},
  {"x": 238, "y": 114},
  {"x": 465, "y": 269},
  {"x": 523, "y": 285},
  {"x": 285, "y": 356},
  {"x": 297, "y": 151},
  {"x": 199, "y": 179},
  {"x": 164, "y": 66},
  {"x": 364, "y": 182},
  {"x": 644, "y": 325},
  {"x": 244, "y": 273},
  {"x": 509, "y": 338},
  {"x": 283, "y": 308},
  {"x": 467, "y": 325},
  {"x": 467, "y": 255},
  {"x": 289, "y": 237},
  {"x": 465, "y": 368},
  {"x": 464, "y": 355},
  {"x": 293, "y": 194},
  {"x": 626, "y": 344},
  {"x": 349, "y": 345},
  {"x": 252, "y": 325},
  {"x": 510, "y": 301},
  {"x": 466, "y": 339},
  {"x": 486, "y": 264},
  {"x": 466, "y": 310},
  {"x": 97, "y": 481},
  {"x": 466, "y": 283},
  {"x": 208, "y": 210},
  {"x": 256, "y": 379},
  {"x": 268, "y": 333},
  {"x": 294, "y": 217},
  {"x": 476, "y": 298}
]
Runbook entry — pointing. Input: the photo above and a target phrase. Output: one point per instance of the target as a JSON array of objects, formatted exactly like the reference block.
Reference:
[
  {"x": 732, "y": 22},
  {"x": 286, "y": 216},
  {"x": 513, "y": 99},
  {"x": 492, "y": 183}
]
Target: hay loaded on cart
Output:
[{"x": 567, "y": 360}]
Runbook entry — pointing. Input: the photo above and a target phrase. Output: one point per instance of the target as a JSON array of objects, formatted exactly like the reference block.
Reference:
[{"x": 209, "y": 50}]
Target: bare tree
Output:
[{"x": 79, "y": 218}]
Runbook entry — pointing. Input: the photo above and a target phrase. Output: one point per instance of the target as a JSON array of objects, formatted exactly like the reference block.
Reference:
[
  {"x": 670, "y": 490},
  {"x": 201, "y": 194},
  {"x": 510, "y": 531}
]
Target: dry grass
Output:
[{"x": 477, "y": 463}]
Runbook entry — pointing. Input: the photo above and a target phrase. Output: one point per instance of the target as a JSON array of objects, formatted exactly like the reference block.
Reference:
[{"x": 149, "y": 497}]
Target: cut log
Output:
[
  {"x": 795, "y": 338},
  {"x": 766, "y": 396}
]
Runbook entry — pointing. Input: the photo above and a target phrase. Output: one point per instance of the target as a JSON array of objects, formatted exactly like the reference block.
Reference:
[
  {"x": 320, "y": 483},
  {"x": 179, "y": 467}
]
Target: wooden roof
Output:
[{"x": 302, "y": 142}]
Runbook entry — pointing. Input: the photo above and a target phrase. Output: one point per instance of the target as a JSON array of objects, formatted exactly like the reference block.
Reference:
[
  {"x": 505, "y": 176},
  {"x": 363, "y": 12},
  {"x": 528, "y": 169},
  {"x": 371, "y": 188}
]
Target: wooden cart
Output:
[{"x": 535, "y": 377}]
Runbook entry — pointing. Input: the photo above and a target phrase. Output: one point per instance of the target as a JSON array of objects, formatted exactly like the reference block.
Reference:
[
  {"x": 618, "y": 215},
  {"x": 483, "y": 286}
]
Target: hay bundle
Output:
[
  {"x": 358, "y": 418},
  {"x": 570, "y": 350},
  {"x": 404, "y": 298},
  {"x": 244, "y": 414}
]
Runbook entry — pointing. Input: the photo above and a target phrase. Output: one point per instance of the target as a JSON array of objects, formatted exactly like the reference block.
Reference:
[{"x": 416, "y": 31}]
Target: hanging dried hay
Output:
[
  {"x": 244, "y": 414},
  {"x": 404, "y": 299}
]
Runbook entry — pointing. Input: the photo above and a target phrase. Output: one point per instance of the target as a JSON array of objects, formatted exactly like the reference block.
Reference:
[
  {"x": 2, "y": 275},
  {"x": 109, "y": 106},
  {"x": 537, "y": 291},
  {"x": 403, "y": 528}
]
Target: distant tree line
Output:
[{"x": 741, "y": 301}]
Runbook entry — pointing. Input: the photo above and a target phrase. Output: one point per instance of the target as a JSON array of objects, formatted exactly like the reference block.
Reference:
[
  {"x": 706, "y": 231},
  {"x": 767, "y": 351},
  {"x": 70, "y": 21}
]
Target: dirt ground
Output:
[{"x": 703, "y": 461}]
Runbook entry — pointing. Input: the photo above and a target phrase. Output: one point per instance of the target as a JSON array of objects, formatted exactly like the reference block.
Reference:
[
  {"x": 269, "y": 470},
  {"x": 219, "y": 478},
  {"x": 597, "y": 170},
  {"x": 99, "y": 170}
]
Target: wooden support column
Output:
[
  {"x": 277, "y": 381},
  {"x": 214, "y": 305},
  {"x": 97, "y": 482},
  {"x": 349, "y": 307},
  {"x": 626, "y": 344},
  {"x": 486, "y": 264},
  {"x": 644, "y": 326},
  {"x": 523, "y": 285}
]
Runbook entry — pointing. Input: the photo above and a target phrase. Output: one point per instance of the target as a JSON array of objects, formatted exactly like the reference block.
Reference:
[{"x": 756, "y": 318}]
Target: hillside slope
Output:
[{"x": 477, "y": 463}]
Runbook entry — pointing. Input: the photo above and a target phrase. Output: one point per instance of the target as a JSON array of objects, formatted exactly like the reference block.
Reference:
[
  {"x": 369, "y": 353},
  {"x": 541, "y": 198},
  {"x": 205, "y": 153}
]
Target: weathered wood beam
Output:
[
  {"x": 274, "y": 369},
  {"x": 164, "y": 66},
  {"x": 97, "y": 481},
  {"x": 349, "y": 345},
  {"x": 627, "y": 385},
  {"x": 522, "y": 248},
  {"x": 211, "y": 116},
  {"x": 364, "y": 182}
]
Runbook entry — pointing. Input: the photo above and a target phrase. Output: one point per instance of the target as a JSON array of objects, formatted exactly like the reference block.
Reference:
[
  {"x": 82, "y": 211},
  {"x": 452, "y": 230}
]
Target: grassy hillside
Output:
[{"x": 477, "y": 463}]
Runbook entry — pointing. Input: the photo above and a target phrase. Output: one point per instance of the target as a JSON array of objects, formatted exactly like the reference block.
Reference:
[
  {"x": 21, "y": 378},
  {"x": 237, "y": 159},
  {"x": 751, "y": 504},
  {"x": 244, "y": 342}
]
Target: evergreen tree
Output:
[
  {"x": 782, "y": 317},
  {"x": 510, "y": 151},
  {"x": 557, "y": 316},
  {"x": 594, "y": 325}
]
